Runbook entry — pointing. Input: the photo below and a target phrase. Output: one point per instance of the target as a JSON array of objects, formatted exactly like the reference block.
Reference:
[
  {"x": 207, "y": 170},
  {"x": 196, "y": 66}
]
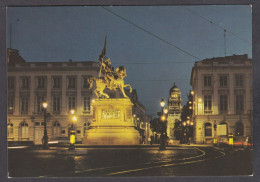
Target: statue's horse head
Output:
[{"x": 121, "y": 71}]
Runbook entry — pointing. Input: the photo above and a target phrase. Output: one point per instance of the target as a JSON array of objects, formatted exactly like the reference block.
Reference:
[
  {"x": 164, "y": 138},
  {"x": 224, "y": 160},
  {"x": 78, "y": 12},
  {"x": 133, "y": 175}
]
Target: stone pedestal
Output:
[{"x": 112, "y": 123}]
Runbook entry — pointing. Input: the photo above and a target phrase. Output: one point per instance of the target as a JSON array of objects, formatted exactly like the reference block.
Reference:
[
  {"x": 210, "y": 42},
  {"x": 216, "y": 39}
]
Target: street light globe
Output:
[
  {"x": 74, "y": 118},
  {"x": 184, "y": 123},
  {"x": 192, "y": 92},
  {"x": 162, "y": 103},
  {"x": 200, "y": 100},
  {"x": 163, "y": 118},
  {"x": 72, "y": 111},
  {"x": 44, "y": 105},
  {"x": 165, "y": 111},
  {"x": 191, "y": 123}
]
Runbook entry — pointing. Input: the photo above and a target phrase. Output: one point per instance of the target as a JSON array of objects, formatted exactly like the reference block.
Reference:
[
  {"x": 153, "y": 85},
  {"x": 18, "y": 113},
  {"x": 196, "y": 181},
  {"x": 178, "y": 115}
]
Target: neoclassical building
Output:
[
  {"x": 223, "y": 100},
  {"x": 63, "y": 85},
  {"x": 174, "y": 109}
]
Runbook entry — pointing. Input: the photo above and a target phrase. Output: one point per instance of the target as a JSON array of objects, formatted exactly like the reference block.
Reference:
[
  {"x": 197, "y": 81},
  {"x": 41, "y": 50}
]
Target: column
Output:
[
  {"x": 32, "y": 95},
  {"x": 48, "y": 93},
  {"x": 17, "y": 96},
  {"x": 231, "y": 95},
  {"x": 215, "y": 94},
  {"x": 78, "y": 97},
  {"x": 247, "y": 93},
  {"x": 63, "y": 95}
]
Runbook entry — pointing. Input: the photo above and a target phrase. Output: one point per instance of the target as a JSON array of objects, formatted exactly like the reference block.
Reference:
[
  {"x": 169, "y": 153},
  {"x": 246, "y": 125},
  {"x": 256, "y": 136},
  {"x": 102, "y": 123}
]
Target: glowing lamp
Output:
[
  {"x": 44, "y": 105},
  {"x": 162, "y": 103}
]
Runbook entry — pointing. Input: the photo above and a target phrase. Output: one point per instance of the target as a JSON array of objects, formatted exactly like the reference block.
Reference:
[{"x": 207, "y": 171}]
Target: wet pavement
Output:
[{"x": 128, "y": 161}]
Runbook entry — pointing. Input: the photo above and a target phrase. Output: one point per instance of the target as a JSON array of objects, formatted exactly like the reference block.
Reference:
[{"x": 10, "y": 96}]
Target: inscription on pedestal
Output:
[{"x": 110, "y": 114}]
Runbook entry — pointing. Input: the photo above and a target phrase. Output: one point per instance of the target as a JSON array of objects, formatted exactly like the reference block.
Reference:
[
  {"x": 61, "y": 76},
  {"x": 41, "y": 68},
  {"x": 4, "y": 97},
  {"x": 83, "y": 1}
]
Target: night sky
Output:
[{"x": 158, "y": 45}]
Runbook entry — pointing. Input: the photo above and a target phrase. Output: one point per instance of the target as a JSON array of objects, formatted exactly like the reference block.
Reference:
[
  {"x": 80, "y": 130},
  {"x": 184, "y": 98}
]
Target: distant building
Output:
[
  {"x": 63, "y": 85},
  {"x": 174, "y": 109},
  {"x": 222, "y": 98}
]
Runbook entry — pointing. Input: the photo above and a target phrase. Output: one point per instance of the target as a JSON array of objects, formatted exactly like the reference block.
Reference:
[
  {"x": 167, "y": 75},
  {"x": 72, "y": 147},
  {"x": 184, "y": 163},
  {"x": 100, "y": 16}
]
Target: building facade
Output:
[
  {"x": 63, "y": 85},
  {"x": 223, "y": 101},
  {"x": 174, "y": 109}
]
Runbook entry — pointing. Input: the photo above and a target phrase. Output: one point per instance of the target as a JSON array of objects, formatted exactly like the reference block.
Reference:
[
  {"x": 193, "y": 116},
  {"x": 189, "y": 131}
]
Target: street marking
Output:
[{"x": 167, "y": 165}]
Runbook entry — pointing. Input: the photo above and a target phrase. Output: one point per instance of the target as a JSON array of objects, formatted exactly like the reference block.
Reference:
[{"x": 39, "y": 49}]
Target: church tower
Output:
[{"x": 174, "y": 109}]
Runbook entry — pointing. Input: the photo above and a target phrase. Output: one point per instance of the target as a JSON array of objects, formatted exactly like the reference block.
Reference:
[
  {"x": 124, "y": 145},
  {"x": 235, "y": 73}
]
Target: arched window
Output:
[
  {"x": 239, "y": 129},
  {"x": 10, "y": 130},
  {"x": 56, "y": 129},
  {"x": 24, "y": 130},
  {"x": 208, "y": 129}
]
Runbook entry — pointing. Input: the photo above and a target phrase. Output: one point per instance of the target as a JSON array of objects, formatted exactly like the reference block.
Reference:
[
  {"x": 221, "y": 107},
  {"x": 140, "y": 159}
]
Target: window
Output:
[
  {"x": 56, "y": 82},
  {"x": 39, "y": 101},
  {"x": 10, "y": 130},
  {"x": 207, "y": 102},
  {"x": 86, "y": 104},
  {"x": 239, "y": 129},
  {"x": 71, "y": 103},
  {"x": 25, "y": 83},
  {"x": 239, "y": 104},
  {"x": 56, "y": 129},
  {"x": 10, "y": 82},
  {"x": 223, "y": 103},
  {"x": 207, "y": 81},
  {"x": 85, "y": 128},
  {"x": 239, "y": 80},
  {"x": 24, "y": 105},
  {"x": 10, "y": 104},
  {"x": 24, "y": 130},
  {"x": 208, "y": 129},
  {"x": 56, "y": 104},
  {"x": 71, "y": 82},
  {"x": 41, "y": 83},
  {"x": 223, "y": 81}
]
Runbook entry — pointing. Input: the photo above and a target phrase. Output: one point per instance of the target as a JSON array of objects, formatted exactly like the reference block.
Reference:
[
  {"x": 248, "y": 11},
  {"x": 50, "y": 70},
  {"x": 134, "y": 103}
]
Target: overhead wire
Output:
[{"x": 150, "y": 33}]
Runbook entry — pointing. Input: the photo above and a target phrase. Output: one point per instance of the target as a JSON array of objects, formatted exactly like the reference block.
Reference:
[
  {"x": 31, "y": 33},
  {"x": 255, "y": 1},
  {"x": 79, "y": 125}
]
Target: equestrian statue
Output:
[{"x": 111, "y": 80}]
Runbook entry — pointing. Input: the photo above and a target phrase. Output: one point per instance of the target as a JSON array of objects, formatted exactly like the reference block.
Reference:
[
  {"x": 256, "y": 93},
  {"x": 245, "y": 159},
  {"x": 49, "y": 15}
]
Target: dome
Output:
[{"x": 174, "y": 88}]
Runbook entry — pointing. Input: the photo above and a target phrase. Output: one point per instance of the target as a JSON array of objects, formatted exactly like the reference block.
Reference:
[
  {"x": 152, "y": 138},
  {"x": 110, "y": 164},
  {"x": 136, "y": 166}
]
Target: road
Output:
[{"x": 128, "y": 162}]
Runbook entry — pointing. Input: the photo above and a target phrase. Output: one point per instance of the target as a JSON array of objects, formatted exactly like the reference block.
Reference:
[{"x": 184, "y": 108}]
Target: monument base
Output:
[
  {"x": 112, "y": 136},
  {"x": 112, "y": 123}
]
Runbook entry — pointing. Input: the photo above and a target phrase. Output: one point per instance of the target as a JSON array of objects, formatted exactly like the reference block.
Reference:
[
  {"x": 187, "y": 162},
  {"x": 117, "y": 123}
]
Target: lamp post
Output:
[
  {"x": 163, "y": 122},
  {"x": 72, "y": 130},
  {"x": 45, "y": 135}
]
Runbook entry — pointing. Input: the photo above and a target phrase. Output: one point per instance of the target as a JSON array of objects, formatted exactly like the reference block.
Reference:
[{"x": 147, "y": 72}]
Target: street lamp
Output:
[
  {"x": 45, "y": 135},
  {"x": 72, "y": 130},
  {"x": 163, "y": 121}
]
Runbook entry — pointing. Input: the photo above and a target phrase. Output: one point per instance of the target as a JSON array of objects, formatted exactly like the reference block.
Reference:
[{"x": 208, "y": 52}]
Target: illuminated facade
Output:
[
  {"x": 63, "y": 85},
  {"x": 174, "y": 109},
  {"x": 223, "y": 99}
]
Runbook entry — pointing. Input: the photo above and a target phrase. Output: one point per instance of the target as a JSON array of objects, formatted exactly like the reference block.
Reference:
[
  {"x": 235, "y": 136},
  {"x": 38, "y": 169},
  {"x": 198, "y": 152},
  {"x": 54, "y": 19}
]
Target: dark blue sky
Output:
[{"x": 77, "y": 33}]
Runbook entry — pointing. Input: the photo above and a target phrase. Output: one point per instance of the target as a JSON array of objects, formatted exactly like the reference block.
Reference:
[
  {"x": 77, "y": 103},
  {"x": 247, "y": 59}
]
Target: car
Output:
[{"x": 59, "y": 140}]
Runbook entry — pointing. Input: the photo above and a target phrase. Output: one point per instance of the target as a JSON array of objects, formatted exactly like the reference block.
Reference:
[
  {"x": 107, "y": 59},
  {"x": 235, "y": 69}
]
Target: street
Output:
[{"x": 128, "y": 161}]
